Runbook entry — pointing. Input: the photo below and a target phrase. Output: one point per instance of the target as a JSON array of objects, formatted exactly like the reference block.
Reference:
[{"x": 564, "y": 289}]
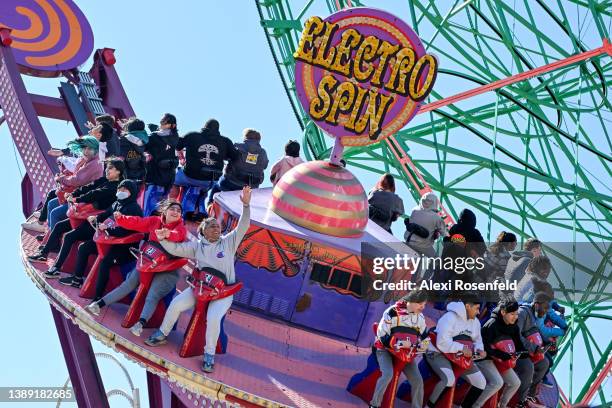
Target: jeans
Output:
[
  {"x": 183, "y": 180},
  {"x": 44, "y": 211},
  {"x": 222, "y": 185},
  {"x": 216, "y": 311},
  {"x": 162, "y": 284},
  {"x": 495, "y": 381},
  {"x": 530, "y": 375},
  {"x": 57, "y": 212},
  {"x": 411, "y": 371}
]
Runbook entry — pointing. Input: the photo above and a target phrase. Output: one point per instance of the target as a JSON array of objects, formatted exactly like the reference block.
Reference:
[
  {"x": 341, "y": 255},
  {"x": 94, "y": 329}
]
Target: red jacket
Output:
[{"x": 178, "y": 232}]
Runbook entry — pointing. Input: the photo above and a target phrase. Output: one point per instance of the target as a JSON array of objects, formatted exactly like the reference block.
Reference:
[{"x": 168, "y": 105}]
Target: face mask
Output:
[{"x": 122, "y": 195}]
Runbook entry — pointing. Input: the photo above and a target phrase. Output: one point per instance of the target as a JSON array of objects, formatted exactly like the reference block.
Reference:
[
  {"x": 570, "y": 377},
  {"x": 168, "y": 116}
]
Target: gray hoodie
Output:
[
  {"x": 517, "y": 265},
  {"x": 218, "y": 255},
  {"x": 526, "y": 322}
]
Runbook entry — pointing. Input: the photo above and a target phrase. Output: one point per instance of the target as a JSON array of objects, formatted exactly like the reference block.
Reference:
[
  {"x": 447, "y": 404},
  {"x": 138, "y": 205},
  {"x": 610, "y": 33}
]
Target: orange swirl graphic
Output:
[{"x": 74, "y": 34}]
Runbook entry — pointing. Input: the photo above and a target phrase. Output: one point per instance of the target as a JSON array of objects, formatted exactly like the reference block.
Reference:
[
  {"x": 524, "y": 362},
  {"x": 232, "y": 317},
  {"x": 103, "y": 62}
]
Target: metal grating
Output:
[{"x": 88, "y": 90}]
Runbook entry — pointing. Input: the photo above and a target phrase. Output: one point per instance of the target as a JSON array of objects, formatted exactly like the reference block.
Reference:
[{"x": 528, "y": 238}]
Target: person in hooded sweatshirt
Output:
[
  {"x": 211, "y": 251},
  {"x": 163, "y": 282},
  {"x": 531, "y": 374},
  {"x": 162, "y": 148},
  {"x": 86, "y": 170},
  {"x": 101, "y": 194},
  {"x": 384, "y": 206},
  {"x": 125, "y": 204},
  {"x": 287, "y": 162},
  {"x": 406, "y": 312},
  {"x": 517, "y": 264},
  {"x": 501, "y": 324},
  {"x": 461, "y": 318},
  {"x": 247, "y": 169},
  {"x": 426, "y": 215},
  {"x": 497, "y": 256},
  {"x": 132, "y": 147},
  {"x": 466, "y": 226},
  {"x": 205, "y": 154}
]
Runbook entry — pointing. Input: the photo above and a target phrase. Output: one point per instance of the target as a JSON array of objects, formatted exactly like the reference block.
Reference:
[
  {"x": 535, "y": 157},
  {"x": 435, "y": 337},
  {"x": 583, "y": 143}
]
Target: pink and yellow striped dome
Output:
[{"x": 322, "y": 197}]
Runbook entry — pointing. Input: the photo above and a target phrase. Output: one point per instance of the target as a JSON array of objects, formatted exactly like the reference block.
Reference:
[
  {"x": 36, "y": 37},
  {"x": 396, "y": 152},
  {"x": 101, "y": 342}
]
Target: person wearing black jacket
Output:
[
  {"x": 205, "y": 153},
  {"x": 466, "y": 226},
  {"x": 101, "y": 194},
  {"x": 162, "y": 163},
  {"x": 118, "y": 254},
  {"x": 132, "y": 147},
  {"x": 501, "y": 325}
]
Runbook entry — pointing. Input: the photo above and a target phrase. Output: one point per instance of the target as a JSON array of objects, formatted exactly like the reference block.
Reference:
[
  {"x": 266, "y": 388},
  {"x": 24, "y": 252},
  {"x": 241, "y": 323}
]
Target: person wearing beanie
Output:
[
  {"x": 246, "y": 169},
  {"x": 531, "y": 374},
  {"x": 163, "y": 282},
  {"x": 86, "y": 170},
  {"x": 101, "y": 194},
  {"x": 162, "y": 163},
  {"x": 501, "y": 324},
  {"x": 425, "y": 215},
  {"x": 287, "y": 162},
  {"x": 384, "y": 206},
  {"x": 132, "y": 147},
  {"x": 405, "y": 313},
  {"x": 125, "y": 203},
  {"x": 461, "y": 318}
]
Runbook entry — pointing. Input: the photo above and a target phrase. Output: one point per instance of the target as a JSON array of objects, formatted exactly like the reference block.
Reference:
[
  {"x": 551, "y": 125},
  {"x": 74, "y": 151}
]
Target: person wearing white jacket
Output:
[
  {"x": 214, "y": 251},
  {"x": 460, "y": 319}
]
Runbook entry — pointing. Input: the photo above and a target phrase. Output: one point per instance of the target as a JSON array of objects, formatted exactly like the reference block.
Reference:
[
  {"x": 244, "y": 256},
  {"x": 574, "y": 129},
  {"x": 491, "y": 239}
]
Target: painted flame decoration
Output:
[{"x": 48, "y": 35}]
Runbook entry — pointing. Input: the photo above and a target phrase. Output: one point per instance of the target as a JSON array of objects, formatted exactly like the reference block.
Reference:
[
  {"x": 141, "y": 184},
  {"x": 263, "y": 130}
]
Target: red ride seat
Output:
[
  {"x": 103, "y": 243},
  {"x": 151, "y": 259},
  {"x": 207, "y": 284}
]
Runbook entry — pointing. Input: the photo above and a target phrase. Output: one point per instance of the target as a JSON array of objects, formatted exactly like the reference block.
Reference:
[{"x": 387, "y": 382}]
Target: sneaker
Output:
[
  {"x": 532, "y": 402},
  {"x": 547, "y": 383},
  {"x": 136, "y": 329},
  {"x": 93, "y": 308},
  {"x": 208, "y": 365},
  {"x": 40, "y": 256},
  {"x": 156, "y": 339},
  {"x": 40, "y": 237},
  {"x": 36, "y": 214},
  {"x": 53, "y": 273},
  {"x": 34, "y": 226},
  {"x": 74, "y": 281}
]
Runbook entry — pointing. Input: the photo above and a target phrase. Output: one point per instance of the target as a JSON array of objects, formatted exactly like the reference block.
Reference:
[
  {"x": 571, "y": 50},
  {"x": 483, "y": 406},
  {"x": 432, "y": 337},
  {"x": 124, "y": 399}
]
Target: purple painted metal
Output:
[
  {"x": 81, "y": 363},
  {"x": 112, "y": 93},
  {"x": 27, "y": 132},
  {"x": 50, "y": 107},
  {"x": 48, "y": 37}
]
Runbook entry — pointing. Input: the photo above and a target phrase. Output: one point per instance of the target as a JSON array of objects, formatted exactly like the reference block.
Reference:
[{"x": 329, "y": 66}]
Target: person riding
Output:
[
  {"x": 162, "y": 148},
  {"x": 405, "y": 313},
  {"x": 384, "y": 206},
  {"x": 517, "y": 264},
  {"x": 205, "y": 154},
  {"x": 426, "y": 216},
  {"x": 246, "y": 169},
  {"x": 101, "y": 194},
  {"x": 87, "y": 169},
  {"x": 461, "y": 318},
  {"x": 118, "y": 254},
  {"x": 497, "y": 255},
  {"x": 163, "y": 282},
  {"x": 530, "y": 373},
  {"x": 211, "y": 251},
  {"x": 132, "y": 147},
  {"x": 287, "y": 162},
  {"x": 502, "y": 323}
]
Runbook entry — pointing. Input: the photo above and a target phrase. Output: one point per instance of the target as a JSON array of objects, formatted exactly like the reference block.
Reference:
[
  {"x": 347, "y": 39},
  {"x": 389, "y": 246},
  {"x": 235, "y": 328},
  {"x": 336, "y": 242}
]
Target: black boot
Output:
[{"x": 471, "y": 397}]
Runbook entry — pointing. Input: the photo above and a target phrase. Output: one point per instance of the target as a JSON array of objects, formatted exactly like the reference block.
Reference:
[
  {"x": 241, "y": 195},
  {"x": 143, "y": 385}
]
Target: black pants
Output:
[
  {"x": 81, "y": 233},
  {"x": 43, "y": 211}
]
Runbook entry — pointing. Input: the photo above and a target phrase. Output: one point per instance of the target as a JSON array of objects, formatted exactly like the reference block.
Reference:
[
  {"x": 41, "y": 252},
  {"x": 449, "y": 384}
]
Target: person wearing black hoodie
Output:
[
  {"x": 205, "y": 153},
  {"x": 466, "y": 226},
  {"x": 126, "y": 204},
  {"x": 502, "y": 324},
  {"x": 101, "y": 194},
  {"x": 132, "y": 147}
]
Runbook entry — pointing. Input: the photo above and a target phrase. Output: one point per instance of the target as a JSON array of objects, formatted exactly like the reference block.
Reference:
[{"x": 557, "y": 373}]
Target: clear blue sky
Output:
[{"x": 194, "y": 59}]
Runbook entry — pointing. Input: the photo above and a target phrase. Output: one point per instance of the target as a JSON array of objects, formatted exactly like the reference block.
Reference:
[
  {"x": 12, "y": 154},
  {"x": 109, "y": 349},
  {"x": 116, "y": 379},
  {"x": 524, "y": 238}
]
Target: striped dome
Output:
[{"x": 322, "y": 197}]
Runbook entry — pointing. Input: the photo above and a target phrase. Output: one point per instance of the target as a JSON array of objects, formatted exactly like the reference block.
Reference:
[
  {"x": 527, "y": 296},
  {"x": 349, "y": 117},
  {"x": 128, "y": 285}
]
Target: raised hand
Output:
[
  {"x": 162, "y": 233},
  {"x": 55, "y": 153},
  {"x": 245, "y": 197}
]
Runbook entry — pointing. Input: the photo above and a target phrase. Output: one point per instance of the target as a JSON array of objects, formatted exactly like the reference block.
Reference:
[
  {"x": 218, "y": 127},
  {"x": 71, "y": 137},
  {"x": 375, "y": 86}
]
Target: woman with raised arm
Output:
[{"x": 212, "y": 251}]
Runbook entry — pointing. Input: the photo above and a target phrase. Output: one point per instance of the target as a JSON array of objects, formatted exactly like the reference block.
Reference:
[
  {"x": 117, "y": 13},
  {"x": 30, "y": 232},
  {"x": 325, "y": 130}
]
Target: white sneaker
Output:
[
  {"x": 36, "y": 214},
  {"x": 34, "y": 226},
  {"x": 93, "y": 308},
  {"x": 136, "y": 329}
]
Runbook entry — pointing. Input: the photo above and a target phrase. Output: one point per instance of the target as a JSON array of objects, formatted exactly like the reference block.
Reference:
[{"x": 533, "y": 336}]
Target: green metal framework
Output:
[{"x": 532, "y": 157}]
